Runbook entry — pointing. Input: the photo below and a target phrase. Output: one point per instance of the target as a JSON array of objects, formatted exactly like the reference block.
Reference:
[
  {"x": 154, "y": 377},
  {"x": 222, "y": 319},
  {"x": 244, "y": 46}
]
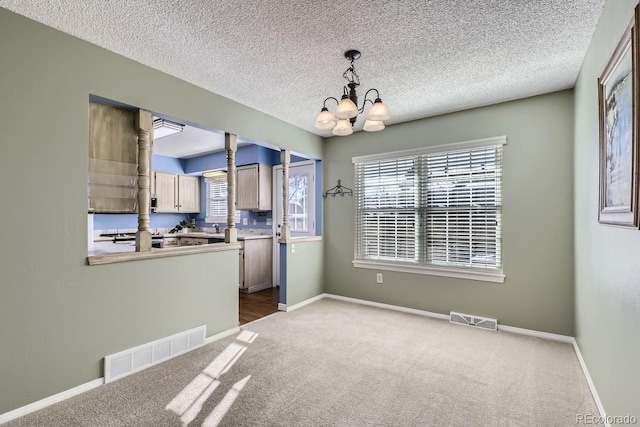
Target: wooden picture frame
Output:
[{"x": 618, "y": 121}]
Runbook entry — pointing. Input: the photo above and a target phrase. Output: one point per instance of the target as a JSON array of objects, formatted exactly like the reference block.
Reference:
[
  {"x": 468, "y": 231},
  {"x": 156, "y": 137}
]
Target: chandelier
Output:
[{"x": 347, "y": 111}]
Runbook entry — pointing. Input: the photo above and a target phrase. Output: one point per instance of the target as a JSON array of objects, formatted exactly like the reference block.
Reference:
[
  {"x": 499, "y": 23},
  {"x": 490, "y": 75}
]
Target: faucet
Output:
[{"x": 217, "y": 227}]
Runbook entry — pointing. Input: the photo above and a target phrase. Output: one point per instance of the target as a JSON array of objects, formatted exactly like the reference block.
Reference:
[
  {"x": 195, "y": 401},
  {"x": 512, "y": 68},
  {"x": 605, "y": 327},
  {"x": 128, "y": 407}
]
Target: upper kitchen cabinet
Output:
[
  {"x": 253, "y": 189},
  {"x": 177, "y": 193},
  {"x": 189, "y": 193},
  {"x": 113, "y": 160}
]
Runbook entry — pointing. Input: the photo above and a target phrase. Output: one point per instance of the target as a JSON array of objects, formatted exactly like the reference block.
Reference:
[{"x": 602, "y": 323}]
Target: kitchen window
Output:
[
  {"x": 436, "y": 210},
  {"x": 216, "y": 187}
]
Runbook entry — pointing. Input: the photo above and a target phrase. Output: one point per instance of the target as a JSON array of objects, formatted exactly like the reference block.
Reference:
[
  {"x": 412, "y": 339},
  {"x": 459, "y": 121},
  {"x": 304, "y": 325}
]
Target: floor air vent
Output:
[
  {"x": 475, "y": 321},
  {"x": 135, "y": 359}
]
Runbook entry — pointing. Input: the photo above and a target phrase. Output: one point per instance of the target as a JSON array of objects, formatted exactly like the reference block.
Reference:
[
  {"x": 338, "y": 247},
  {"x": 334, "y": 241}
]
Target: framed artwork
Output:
[{"x": 619, "y": 148}]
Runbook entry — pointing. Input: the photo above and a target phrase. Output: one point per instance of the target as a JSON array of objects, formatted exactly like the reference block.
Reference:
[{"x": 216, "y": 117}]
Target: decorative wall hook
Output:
[{"x": 338, "y": 190}]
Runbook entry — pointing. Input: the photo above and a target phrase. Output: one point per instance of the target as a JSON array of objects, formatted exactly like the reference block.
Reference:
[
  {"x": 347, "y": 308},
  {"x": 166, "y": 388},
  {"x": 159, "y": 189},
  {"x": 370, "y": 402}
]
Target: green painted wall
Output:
[
  {"x": 537, "y": 216},
  {"x": 607, "y": 259},
  {"x": 58, "y": 316},
  {"x": 304, "y": 271}
]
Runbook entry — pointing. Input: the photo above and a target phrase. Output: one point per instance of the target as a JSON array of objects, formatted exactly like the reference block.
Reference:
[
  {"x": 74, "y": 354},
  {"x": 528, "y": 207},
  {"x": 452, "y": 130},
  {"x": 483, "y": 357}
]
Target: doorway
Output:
[
  {"x": 256, "y": 305},
  {"x": 302, "y": 219}
]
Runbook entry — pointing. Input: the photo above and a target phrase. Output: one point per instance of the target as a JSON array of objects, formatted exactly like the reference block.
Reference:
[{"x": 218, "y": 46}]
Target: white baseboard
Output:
[
  {"x": 287, "y": 308},
  {"x": 221, "y": 335},
  {"x": 59, "y": 397},
  {"x": 546, "y": 335},
  {"x": 592, "y": 386},
  {"x": 537, "y": 334},
  {"x": 389, "y": 306}
]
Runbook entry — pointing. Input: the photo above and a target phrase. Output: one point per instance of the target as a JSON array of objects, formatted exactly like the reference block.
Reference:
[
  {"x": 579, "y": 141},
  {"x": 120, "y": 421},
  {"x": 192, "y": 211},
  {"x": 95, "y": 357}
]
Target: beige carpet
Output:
[{"x": 333, "y": 363}]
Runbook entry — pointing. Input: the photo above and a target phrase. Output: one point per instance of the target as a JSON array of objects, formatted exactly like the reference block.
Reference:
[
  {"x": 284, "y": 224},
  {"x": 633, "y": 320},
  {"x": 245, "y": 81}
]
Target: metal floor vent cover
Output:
[
  {"x": 475, "y": 321},
  {"x": 135, "y": 359}
]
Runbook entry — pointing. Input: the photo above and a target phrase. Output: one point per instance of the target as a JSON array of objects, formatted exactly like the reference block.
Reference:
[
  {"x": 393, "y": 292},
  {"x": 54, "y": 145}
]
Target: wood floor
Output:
[{"x": 258, "y": 304}]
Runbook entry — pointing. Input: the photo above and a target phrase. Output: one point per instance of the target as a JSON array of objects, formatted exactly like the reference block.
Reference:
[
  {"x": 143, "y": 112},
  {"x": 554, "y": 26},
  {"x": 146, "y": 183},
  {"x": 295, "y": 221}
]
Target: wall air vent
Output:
[
  {"x": 137, "y": 358},
  {"x": 475, "y": 321}
]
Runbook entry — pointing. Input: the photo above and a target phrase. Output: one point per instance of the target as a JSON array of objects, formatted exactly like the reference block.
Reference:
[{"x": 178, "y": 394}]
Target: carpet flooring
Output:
[{"x": 333, "y": 363}]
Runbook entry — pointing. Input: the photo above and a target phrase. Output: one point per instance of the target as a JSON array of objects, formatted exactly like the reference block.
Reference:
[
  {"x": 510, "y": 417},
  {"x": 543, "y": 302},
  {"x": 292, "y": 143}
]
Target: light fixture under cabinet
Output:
[{"x": 215, "y": 174}]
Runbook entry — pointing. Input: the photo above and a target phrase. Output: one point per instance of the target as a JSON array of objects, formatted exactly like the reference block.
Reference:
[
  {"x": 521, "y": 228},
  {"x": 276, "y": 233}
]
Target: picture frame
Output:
[{"x": 618, "y": 122}]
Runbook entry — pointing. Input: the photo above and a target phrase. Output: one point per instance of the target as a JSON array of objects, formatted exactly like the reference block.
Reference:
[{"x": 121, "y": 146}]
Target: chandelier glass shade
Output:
[{"x": 347, "y": 110}]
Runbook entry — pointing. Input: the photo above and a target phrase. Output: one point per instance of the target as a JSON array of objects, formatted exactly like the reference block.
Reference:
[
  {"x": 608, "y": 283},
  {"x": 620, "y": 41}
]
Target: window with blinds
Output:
[
  {"x": 216, "y": 188},
  {"x": 437, "y": 207}
]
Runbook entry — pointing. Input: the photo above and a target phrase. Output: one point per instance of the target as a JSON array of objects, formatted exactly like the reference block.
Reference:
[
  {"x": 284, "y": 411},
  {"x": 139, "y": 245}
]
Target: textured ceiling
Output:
[{"x": 284, "y": 57}]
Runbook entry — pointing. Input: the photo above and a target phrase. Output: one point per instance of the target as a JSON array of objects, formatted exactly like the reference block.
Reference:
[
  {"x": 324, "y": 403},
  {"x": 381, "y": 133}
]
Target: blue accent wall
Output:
[
  {"x": 122, "y": 221},
  {"x": 283, "y": 273},
  {"x": 245, "y": 155},
  {"x": 167, "y": 164}
]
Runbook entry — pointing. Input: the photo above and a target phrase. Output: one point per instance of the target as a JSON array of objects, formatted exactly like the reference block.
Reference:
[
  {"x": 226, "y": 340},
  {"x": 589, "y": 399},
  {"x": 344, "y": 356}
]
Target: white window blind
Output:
[
  {"x": 217, "y": 200},
  {"x": 429, "y": 208}
]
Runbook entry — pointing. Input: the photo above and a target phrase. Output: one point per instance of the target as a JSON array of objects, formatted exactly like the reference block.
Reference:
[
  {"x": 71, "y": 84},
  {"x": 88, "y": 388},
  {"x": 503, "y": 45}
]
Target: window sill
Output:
[{"x": 483, "y": 276}]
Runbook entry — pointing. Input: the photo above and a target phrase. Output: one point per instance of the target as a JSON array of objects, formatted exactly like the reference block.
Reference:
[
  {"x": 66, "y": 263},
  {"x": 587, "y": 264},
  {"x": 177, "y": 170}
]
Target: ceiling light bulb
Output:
[
  {"x": 373, "y": 125},
  {"x": 378, "y": 111},
  {"x": 346, "y": 109},
  {"x": 325, "y": 120},
  {"x": 343, "y": 128}
]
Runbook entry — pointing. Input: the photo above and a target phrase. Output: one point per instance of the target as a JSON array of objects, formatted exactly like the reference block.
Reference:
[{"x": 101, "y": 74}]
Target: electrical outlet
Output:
[
  {"x": 269, "y": 221},
  {"x": 293, "y": 249},
  {"x": 379, "y": 278},
  {"x": 245, "y": 221},
  {"x": 255, "y": 221}
]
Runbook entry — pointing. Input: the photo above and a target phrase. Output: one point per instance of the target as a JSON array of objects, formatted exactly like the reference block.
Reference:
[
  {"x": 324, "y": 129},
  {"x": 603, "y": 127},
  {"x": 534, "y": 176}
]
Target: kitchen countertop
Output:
[
  {"x": 203, "y": 235},
  {"x": 106, "y": 246},
  {"x": 108, "y": 252}
]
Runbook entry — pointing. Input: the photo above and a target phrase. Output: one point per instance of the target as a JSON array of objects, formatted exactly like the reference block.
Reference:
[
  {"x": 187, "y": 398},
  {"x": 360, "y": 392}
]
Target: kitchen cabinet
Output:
[
  {"x": 253, "y": 187},
  {"x": 176, "y": 193},
  {"x": 113, "y": 160},
  {"x": 255, "y": 264},
  {"x": 169, "y": 242},
  {"x": 189, "y": 193},
  {"x": 186, "y": 241}
]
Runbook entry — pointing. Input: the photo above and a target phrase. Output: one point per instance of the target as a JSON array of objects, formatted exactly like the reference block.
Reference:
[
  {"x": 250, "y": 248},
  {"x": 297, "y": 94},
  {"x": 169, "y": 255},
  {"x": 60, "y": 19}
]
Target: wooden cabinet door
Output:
[
  {"x": 165, "y": 190},
  {"x": 247, "y": 187},
  {"x": 257, "y": 269},
  {"x": 189, "y": 194}
]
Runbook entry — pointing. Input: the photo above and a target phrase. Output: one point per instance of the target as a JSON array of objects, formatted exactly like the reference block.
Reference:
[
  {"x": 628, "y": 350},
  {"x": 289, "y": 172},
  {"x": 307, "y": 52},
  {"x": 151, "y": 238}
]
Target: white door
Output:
[{"x": 302, "y": 217}]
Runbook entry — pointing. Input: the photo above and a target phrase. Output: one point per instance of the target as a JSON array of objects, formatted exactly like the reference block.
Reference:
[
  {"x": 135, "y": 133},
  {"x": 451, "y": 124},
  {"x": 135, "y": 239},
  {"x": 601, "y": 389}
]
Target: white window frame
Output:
[
  {"x": 487, "y": 274},
  {"x": 222, "y": 218},
  {"x": 308, "y": 168}
]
